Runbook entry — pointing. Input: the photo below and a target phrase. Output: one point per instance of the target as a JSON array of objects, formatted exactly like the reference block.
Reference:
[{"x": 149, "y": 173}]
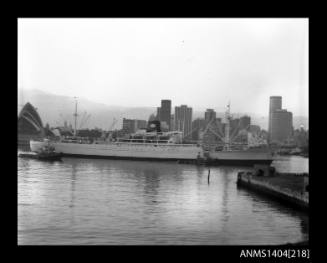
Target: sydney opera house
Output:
[{"x": 29, "y": 126}]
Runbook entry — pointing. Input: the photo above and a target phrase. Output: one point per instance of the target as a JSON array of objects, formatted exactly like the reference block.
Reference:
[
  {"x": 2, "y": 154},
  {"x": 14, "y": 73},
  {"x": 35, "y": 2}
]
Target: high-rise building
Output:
[
  {"x": 281, "y": 126},
  {"x": 165, "y": 112},
  {"x": 245, "y": 122},
  {"x": 274, "y": 104},
  {"x": 132, "y": 125},
  {"x": 141, "y": 124},
  {"x": 234, "y": 123},
  {"x": 280, "y": 121},
  {"x": 128, "y": 126},
  {"x": 183, "y": 120},
  {"x": 209, "y": 115},
  {"x": 198, "y": 125},
  {"x": 158, "y": 114},
  {"x": 172, "y": 122}
]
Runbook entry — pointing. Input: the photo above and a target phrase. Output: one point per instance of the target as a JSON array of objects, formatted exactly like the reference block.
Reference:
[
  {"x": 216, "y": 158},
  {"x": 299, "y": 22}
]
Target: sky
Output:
[{"x": 204, "y": 63}]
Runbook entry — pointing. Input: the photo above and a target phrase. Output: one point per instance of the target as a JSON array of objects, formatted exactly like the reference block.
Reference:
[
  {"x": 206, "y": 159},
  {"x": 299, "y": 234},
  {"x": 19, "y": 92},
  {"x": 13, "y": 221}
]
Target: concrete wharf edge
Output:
[{"x": 291, "y": 201}]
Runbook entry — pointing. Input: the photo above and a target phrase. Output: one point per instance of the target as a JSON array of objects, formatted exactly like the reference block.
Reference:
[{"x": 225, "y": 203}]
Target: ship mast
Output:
[
  {"x": 75, "y": 116},
  {"x": 227, "y": 129}
]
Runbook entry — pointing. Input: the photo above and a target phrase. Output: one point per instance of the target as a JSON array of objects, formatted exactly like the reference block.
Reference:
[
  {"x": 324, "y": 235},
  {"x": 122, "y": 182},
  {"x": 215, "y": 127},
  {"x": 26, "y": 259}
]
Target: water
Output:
[
  {"x": 113, "y": 202},
  {"x": 291, "y": 164}
]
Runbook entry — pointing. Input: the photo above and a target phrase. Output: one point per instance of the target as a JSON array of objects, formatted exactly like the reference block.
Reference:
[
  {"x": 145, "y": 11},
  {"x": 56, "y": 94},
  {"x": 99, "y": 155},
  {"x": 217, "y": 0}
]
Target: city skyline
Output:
[
  {"x": 58, "y": 108},
  {"x": 198, "y": 62}
]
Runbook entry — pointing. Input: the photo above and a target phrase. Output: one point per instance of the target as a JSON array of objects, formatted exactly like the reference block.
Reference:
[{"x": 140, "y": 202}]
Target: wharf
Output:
[{"x": 288, "y": 188}]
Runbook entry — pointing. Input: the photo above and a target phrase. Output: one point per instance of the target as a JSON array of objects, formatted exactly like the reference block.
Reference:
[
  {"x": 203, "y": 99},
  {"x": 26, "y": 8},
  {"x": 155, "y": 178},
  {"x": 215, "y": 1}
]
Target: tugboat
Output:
[{"x": 46, "y": 153}]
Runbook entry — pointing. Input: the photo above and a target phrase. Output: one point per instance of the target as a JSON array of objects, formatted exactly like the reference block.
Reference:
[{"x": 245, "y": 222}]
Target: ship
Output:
[
  {"x": 153, "y": 144},
  {"x": 149, "y": 144},
  {"x": 247, "y": 157},
  {"x": 255, "y": 151}
]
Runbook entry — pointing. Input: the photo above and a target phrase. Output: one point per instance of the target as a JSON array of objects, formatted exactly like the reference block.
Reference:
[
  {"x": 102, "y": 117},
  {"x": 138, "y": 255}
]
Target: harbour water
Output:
[{"x": 120, "y": 202}]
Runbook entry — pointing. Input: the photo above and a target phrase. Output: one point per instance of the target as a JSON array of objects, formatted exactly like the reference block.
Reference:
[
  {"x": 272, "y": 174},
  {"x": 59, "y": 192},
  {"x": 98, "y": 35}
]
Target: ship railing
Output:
[
  {"x": 156, "y": 144},
  {"x": 37, "y": 139}
]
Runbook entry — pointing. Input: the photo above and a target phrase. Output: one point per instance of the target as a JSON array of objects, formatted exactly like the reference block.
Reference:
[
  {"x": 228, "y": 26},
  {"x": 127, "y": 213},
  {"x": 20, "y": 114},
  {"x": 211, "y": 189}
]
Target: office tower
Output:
[
  {"x": 172, "y": 122},
  {"x": 183, "y": 120},
  {"x": 234, "y": 123},
  {"x": 280, "y": 121},
  {"x": 281, "y": 128},
  {"x": 158, "y": 114},
  {"x": 209, "y": 115},
  {"x": 245, "y": 122},
  {"x": 165, "y": 112},
  {"x": 141, "y": 124},
  {"x": 132, "y": 125},
  {"x": 274, "y": 104},
  {"x": 198, "y": 125}
]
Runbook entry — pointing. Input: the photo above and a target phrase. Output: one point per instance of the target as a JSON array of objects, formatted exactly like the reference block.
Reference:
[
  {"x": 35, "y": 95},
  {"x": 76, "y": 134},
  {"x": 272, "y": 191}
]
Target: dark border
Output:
[{"x": 217, "y": 252}]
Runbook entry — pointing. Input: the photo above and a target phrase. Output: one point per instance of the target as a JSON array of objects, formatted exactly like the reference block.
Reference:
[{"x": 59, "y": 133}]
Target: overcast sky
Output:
[{"x": 203, "y": 63}]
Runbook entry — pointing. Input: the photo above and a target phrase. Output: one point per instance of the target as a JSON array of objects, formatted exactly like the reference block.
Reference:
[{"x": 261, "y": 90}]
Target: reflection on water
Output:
[{"x": 85, "y": 201}]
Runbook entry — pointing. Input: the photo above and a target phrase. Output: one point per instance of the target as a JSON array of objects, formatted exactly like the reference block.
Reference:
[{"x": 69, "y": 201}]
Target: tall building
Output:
[
  {"x": 234, "y": 123},
  {"x": 280, "y": 126},
  {"x": 183, "y": 120},
  {"x": 274, "y": 104},
  {"x": 172, "y": 122},
  {"x": 141, "y": 124},
  {"x": 198, "y": 125},
  {"x": 165, "y": 112},
  {"x": 158, "y": 114},
  {"x": 245, "y": 122},
  {"x": 209, "y": 115},
  {"x": 132, "y": 125}
]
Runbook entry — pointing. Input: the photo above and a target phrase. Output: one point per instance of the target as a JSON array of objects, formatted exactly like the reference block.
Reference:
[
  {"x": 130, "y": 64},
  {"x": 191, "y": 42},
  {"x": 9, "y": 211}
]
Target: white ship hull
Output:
[
  {"x": 124, "y": 150},
  {"x": 156, "y": 152}
]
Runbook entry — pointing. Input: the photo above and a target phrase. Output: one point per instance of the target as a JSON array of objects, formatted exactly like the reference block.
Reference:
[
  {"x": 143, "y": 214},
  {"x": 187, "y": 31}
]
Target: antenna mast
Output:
[
  {"x": 75, "y": 115},
  {"x": 227, "y": 128}
]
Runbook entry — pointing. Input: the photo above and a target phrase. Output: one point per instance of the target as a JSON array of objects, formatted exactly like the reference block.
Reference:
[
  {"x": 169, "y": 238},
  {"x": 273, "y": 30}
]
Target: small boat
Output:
[{"x": 47, "y": 153}]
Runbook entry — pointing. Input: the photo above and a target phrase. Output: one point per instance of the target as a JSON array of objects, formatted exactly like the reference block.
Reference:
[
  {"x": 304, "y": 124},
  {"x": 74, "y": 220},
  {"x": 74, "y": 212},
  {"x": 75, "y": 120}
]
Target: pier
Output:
[{"x": 288, "y": 188}]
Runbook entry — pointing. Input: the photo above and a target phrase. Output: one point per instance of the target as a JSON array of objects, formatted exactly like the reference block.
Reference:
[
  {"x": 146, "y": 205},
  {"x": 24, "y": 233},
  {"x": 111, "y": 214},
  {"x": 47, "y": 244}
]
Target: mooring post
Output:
[{"x": 208, "y": 175}]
